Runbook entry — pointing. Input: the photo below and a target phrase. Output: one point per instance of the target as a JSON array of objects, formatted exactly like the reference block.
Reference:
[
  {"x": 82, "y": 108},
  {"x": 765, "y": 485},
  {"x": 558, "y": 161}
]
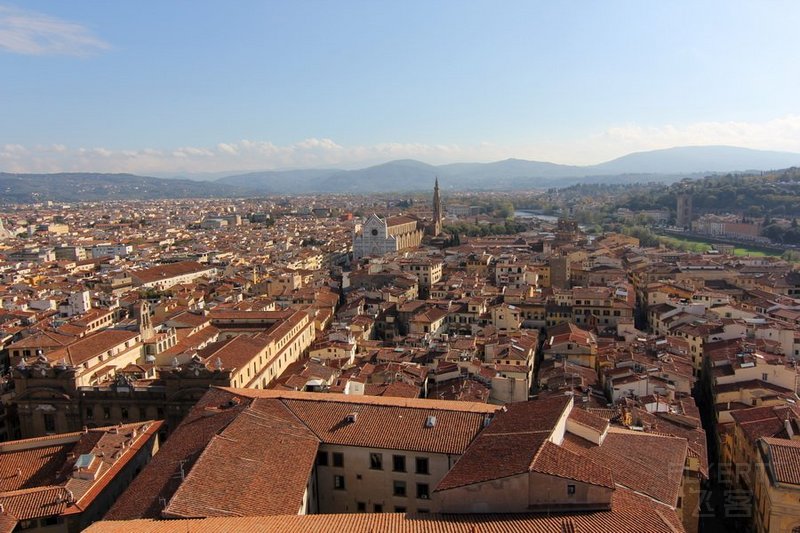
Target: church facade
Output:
[{"x": 379, "y": 236}]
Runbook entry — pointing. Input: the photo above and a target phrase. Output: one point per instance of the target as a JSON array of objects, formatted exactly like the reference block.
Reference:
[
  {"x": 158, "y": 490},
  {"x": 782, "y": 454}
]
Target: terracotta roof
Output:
[
  {"x": 509, "y": 445},
  {"x": 558, "y": 461},
  {"x": 170, "y": 270},
  {"x": 91, "y": 346},
  {"x": 784, "y": 459},
  {"x": 37, "y": 478},
  {"x": 43, "y": 339},
  {"x": 398, "y": 220},
  {"x": 631, "y": 512},
  {"x": 232, "y": 475},
  {"x": 386, "y": 426},
  {"x": 158, "y": 479},
  {"x": 236, "y": 352},
  {"x": 37, "y": 466},
  {"x": 647, "y": 463},
  {"x": 590, "y": 420},
  {"x": 236, "y": 438}
]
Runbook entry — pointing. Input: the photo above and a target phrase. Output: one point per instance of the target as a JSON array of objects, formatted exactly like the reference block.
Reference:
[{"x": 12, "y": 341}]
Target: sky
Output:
[{"x": 194, "y": 86}]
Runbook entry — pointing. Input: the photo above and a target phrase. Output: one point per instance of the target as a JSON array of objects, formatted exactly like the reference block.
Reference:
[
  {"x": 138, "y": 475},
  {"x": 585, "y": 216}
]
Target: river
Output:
[{"x": 522, "y": 213}]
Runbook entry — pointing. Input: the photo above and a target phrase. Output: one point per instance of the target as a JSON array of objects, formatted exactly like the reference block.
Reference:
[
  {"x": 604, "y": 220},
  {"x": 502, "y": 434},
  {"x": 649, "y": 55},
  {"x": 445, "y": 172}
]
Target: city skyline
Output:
[{"x": 188, "y": 88}]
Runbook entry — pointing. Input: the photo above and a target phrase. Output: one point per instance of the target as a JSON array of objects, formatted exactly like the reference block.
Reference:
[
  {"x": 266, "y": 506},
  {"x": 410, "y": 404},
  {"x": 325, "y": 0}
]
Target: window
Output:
[
  {"x": 764, "y": 377},
  {"x": 89, "y": 413},
  {"x": 361, "y": 507},
  {"x": 377, "y": 508},
  {"x": 338, "y": 459},
  {"x": 571, "y": 489},
  {"x": 322, "y": 458},
  {"x": 399, "y": 463},
  {"x": 338, "y": 482},
  {"x": 399, "y": 488},
  {"x": 124, "y": 413},
  {"x": 422, "y": 491},
  {"x": 49, "y": 423},
  {"x": 160, "y": 413},
  {"x": 106, "y": 413},
  {"x": 376, "y": 461},
  {"x": 422, "y": 465},
  {"x": 398, "y": 509}
]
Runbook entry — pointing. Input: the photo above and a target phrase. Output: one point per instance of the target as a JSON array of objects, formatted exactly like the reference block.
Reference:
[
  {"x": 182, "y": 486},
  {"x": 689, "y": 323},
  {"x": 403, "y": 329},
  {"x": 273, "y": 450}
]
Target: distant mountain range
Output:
[
  {"x": 400, "y": 176},
  {"x": 409, "y": 175},
  {"x": 87, "y": 186}
]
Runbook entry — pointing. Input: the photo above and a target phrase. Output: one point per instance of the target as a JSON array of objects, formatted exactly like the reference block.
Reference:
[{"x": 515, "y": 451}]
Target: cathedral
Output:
[{"x": 379, "y": 236}]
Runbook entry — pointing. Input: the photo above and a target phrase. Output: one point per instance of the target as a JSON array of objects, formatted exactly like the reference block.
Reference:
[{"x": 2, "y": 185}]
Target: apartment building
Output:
[
  {"x": 332, "y": 454},
  {"x": 62, "y": 483}
]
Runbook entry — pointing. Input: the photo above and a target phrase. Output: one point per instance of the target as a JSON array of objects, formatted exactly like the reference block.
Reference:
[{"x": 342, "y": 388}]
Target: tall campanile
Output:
[{"x": 437, "y": 209}]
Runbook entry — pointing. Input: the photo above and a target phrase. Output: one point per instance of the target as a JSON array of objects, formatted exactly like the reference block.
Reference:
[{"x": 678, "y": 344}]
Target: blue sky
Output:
[{"x": 200, "y": 86}]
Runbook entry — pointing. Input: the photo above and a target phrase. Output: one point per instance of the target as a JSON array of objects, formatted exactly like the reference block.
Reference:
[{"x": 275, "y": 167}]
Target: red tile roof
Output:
[
  {"x": 784, "y": 459},
  {"x": 169, "y": 270},
  {"x": 229, "y": 426},
  {"x": 231, "y": 476},
  {"x": 647, "y": 463},
  {"x": 630, "y": 512},
  {"x": 509, "y": 445}
]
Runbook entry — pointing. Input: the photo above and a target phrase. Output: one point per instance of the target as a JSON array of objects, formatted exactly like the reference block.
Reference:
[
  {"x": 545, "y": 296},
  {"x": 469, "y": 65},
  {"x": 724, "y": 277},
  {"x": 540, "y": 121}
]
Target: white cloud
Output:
[
  {"x": 249, "y": 155},
  {"x": 32, "y": 33},
  {"x": 782, "y": 134}
]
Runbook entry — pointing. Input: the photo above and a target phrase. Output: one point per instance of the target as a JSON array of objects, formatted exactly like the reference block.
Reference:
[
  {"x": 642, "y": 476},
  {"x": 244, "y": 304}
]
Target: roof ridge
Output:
[
  {"x": 30, "y": 490},
  {"x": 377, "y": 401}
]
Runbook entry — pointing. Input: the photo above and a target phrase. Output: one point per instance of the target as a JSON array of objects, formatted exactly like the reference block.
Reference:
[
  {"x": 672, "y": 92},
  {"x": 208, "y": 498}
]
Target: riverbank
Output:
[{"x": 695, "y": 244}]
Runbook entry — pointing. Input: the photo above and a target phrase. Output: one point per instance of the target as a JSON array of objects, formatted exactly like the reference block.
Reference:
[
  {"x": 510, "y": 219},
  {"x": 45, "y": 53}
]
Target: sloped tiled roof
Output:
[
  {"x": 784, "y": 458},
  {"x": 509, "y": 445},
  {"x": 647, "y": 463},
  {"x": 217, "y": 436},
  {"x": 630, "y": 512},
  {"x": 229, "y": 477}
]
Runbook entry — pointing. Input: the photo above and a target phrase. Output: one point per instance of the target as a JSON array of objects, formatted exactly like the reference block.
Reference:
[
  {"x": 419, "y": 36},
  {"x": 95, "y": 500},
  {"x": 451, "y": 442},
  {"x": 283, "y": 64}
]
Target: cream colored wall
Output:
[
  {"x": 506, "y": 495},
  {"x": 120, "y": 358},
  {"x": 363, "y": 484},
  {"x": 776, "y": 510},
  {"x": 780, "y": 375},
  {"x": 547, "y": 490},
  {"x": 280, "y": 354}
]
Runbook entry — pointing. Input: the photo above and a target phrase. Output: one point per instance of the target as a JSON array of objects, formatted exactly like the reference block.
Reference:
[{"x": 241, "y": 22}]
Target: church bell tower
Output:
[{"x": 437, "y": 210}]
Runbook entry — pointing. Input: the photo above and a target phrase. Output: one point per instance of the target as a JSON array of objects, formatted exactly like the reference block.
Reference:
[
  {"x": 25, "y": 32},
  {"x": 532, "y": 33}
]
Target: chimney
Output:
[{"x": 788, "y": 425}]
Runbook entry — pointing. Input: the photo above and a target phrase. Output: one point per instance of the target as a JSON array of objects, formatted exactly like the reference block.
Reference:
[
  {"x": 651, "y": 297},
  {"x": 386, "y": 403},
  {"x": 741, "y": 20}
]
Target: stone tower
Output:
[
  {"x": 684, "y": 215},
  {"x": 145, "y": 324},
  {"x": 437, "y": 210}
]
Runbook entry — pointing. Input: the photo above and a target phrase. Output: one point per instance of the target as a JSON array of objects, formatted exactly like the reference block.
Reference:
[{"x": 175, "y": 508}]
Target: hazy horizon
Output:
[{"x": 210, "y": 88}]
